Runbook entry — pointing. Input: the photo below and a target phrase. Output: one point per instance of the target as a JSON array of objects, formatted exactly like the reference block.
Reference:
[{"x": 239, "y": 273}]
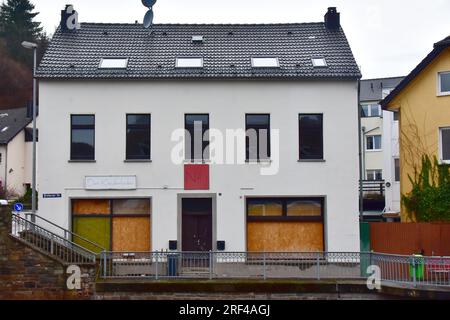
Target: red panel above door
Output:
[{"x": 196, "y": 177}]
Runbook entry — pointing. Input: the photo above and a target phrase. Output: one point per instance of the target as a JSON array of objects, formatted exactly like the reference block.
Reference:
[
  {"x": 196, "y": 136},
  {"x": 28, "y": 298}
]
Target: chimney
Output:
[
  {"x": 332, "y": 19},
  {"x": 69, "y": 19}
]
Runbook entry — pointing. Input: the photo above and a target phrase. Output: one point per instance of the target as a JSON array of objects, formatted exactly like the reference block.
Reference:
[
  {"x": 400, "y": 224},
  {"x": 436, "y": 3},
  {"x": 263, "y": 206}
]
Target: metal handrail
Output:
[
  {"x": 66, "y": 232},
  {"x": 18, "y": 221}
]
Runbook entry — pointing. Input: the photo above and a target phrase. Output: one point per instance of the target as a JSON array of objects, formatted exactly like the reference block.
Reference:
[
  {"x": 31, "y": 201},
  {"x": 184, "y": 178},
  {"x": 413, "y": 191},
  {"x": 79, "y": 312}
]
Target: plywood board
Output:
[
  {"x": 91, "y": 206},
  {"x": 95, "y": 229},
  {"x": 131, "y": 234},
  {"x": 285, "y": 236}
]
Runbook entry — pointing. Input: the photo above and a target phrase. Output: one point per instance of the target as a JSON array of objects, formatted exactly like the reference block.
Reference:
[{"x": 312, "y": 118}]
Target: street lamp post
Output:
[{"x": 33, "y": 46}]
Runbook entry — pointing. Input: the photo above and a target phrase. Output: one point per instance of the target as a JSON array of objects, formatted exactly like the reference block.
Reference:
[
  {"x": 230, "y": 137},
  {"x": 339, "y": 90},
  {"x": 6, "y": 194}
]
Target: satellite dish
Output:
[
  {"x": 148, "y": 3},
  {"x": 148, "y": 19}
]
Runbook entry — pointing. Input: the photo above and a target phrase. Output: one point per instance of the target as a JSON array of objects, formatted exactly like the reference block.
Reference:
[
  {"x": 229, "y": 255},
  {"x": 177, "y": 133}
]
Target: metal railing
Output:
[
  {"x": 220, "y": 265},
  {"x": 66, "y": 234},
  {"x": 269, "y": 265},
  {"x": 415, "y": 270},
  {"x": 51, "y": 243},
  {"x": 373, "y": 186}
]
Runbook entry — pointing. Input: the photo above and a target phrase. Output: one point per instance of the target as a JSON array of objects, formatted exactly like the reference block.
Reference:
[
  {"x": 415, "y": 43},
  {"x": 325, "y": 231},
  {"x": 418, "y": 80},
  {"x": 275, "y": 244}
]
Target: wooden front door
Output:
[{"x": 196, "y": 224}]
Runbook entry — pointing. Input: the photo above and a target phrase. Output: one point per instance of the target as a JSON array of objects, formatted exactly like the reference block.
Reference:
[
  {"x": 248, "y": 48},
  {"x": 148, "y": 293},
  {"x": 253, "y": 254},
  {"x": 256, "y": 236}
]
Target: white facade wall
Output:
[
  {"x": 391, "y": 152},
  {"x": 373, "y": 159},
  {"x": 226, "y": 102}
]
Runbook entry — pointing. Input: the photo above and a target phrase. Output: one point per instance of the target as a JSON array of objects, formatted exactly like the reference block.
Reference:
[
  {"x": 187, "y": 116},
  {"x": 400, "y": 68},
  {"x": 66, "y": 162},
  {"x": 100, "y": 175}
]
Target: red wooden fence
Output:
[{"x": 409, "y": 238}]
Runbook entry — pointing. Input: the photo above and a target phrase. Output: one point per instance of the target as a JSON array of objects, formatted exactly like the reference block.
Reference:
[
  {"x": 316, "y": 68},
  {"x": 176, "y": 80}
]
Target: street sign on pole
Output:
[{"x": 18, "y": 207}]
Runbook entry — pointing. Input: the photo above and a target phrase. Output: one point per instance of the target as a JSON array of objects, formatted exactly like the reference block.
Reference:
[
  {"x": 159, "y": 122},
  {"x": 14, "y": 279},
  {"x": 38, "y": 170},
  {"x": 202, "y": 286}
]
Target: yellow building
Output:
[{"x": 422, "y": 100}]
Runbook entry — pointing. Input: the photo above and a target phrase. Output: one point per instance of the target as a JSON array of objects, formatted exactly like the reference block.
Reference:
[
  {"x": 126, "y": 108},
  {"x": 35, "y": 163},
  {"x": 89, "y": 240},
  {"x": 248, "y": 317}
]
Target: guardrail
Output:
[
  {"x": 373, "y": 186},
  {"x": 51, "y": 243},
  {"x": 270, "y": 265},
  {"x": 66, "y": 234}
]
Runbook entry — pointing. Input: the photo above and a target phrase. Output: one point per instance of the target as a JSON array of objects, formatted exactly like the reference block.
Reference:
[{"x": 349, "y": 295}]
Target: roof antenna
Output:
[{"x": 148, "y": 18}]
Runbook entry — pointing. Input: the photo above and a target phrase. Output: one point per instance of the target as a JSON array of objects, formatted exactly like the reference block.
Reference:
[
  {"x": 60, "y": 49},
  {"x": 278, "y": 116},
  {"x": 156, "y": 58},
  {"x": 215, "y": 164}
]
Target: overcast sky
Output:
[{"x": 388, "y": 37}]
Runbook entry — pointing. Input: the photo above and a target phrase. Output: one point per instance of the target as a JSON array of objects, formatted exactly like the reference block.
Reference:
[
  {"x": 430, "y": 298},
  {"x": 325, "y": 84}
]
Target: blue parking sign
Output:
[{"x": 18, "y": 207}]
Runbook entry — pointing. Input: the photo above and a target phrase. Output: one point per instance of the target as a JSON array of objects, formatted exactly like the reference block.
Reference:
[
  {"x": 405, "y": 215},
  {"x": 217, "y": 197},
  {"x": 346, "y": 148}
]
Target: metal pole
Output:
[{"x": 33, "y": 191}]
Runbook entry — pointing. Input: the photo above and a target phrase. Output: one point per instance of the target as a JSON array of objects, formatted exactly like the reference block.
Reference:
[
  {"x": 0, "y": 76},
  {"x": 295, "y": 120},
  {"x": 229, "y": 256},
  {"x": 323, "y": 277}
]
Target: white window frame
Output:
[
  {"x": 381, "y": 142},
  {"x": 441, "y": 153},
  {"x": 179, "y": 59},
  {"x": 100, "y": 66},
  {"x": 374, "y": 171},
  {"x": 315, "y": 65},
  {"x": 261, "y": 59},
  {"x": 370, "y": 110},
  {"x": 439, "y": 92}
]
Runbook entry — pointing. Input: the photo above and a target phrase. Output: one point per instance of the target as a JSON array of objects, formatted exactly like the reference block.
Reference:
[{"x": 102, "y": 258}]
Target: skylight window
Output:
[
  {"x": 113, "y": 63},
  {"x": 4, "y": 129},
  {"x": 319, "y": 62},
  {"x": 266, "y": 62},
  {"x": 189, "y": 63}
]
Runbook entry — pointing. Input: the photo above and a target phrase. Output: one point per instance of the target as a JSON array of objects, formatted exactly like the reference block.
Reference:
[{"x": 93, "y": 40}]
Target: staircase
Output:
[{"x": 59, "y": 247}]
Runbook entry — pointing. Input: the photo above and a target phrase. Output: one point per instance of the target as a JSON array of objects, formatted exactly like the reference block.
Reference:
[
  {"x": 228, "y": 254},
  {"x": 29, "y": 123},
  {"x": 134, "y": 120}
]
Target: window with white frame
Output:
[
  {"x": 444, "y": 148},
  {"x": 189, "y": 62},
  {"x": 371, "y": 110},
  {"x": 373, "y": 143},
  {"x": 374, "y": 175},
  {"x": 319, "y": 62},
  {"x": 444, "y": 83},
  {"x": 113, "y": 63},
  {"x": 265, "y": 62}
]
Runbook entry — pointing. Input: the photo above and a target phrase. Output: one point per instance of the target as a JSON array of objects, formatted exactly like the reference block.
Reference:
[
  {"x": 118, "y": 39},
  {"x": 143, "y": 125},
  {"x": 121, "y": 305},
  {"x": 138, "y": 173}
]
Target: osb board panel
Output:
[
  {"x": 131, "y": 234},
  {"x": 96, "y": 230},
  {"x": 92, "y": 206},
  {"x": 285, "y": 236}
]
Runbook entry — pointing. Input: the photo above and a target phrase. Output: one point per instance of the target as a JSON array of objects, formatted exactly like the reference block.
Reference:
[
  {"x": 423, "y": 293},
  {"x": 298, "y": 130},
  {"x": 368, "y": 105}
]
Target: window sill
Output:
[
  {"x": 374, "y": 150},
  {"x": 82, "y": 161},
  {"x": 137, "y": 160},
  {"x": 259, "y": 161},
  {"x": 443, "y": 94},
  {"x": 196, "y": 161},
  {"x": 312, "y": 160}
]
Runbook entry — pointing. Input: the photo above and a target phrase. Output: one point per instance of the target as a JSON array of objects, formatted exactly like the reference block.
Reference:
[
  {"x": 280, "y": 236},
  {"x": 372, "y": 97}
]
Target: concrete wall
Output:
[{"x": 227, "y": 102}]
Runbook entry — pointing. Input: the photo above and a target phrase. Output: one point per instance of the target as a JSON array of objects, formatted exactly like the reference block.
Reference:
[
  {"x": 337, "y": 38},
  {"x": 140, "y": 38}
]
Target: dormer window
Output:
[
  {"x": 113, "y": 63},
  {"x": 444, "y": 83},
  {"x": 189, "y": 63},
  {"x": 265, "y": 62},
  {"x": 319, "y": 62}
]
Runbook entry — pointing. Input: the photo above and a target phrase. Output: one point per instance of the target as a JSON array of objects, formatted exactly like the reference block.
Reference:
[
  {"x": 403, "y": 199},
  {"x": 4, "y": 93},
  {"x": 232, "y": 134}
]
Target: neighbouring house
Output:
[
  {"x": 422, "y": 101},
  {"x": 119, "y": 105},
  {"x": 16, "y": 151},
  {"x": 379, "y": 137}
]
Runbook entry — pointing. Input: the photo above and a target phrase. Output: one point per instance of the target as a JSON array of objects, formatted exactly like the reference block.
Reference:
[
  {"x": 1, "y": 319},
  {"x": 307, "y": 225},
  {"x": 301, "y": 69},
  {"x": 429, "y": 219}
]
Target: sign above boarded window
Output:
[{"x": 110, "y": 183}]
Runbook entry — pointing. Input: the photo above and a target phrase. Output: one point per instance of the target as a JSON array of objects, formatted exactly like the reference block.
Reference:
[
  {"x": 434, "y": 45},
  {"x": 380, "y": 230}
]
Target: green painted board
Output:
[{"x": 97, "y": 230}]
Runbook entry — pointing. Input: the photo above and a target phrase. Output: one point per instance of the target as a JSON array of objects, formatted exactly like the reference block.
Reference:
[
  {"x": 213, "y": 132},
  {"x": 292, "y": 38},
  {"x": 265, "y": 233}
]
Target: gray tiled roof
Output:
[
  {"x": 12, "y": 121},
  {"x": 372, "y": 89},
  {"x": 227, "y": 50}
]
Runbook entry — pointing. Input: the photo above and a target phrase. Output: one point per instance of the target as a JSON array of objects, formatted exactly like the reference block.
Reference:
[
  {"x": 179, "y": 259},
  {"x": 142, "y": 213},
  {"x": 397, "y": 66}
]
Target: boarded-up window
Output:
[
  {"x": 264, "y": 207},
  {"x": 114, "y": 224}
]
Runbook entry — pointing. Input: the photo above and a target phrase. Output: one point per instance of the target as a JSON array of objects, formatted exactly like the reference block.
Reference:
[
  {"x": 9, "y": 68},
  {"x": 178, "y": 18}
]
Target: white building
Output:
[
  {"x": 380, "y": 140},
  {"x": 113, "y": 98},
  {"x": 16, "y": 149}
]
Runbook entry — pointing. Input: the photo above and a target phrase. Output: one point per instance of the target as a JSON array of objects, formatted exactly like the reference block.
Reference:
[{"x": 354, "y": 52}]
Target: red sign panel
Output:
[{"x": 196, "y": 177}]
